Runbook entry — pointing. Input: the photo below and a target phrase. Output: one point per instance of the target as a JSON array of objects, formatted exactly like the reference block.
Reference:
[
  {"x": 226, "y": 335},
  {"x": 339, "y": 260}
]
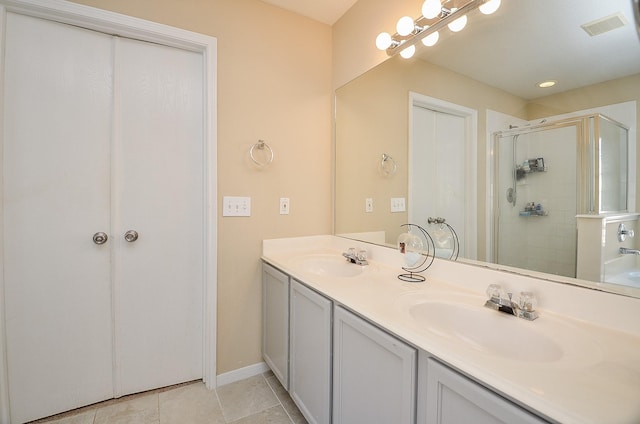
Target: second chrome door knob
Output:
[{"x": 131, "y": 236}]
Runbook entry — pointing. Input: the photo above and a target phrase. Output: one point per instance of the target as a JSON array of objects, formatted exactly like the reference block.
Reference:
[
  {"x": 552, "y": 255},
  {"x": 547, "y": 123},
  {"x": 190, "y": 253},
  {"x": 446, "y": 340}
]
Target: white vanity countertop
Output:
[{"x": 593, "y": 378}]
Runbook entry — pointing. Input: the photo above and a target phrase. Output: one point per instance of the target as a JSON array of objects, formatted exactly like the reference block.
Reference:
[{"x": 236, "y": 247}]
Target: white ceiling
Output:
[
  {"x": 325, "y": 11},
  {"x": 524, "y": 42}
]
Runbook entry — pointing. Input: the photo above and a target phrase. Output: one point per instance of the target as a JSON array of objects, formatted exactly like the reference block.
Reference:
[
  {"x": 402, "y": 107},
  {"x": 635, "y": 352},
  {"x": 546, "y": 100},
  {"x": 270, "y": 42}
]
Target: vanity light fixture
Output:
[{"x": 425, "y": 28}]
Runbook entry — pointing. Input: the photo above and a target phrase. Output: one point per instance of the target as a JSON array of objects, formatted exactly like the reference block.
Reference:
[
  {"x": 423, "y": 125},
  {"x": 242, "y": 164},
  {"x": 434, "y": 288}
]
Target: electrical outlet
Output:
[
  {"x": 368, "y": 204},
  {"x": 397, "y": 204},
  {"x": 284, "y": 206},
  {"x": 236, "y": 206}
]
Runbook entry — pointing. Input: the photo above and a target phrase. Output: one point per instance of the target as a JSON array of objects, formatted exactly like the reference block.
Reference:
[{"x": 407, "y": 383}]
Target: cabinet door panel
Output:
[
  {"x": 374, "y": 374},
  {"x": 275, "y": 321},
  {"x": 310, "y": 340},
  {"x": 57, "y": 120},
  {"x": 453, "y": 399},
  {"x": 158, "y": 192}
]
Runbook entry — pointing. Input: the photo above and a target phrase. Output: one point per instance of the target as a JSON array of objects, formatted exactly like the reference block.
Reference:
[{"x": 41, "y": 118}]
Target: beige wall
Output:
[{"x": 274, "y": 83}]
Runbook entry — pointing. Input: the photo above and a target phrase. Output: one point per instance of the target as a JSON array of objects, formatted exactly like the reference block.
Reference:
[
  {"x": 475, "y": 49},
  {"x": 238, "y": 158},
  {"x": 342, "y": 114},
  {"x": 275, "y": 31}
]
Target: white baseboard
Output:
[{"x": 241, "y": 374}]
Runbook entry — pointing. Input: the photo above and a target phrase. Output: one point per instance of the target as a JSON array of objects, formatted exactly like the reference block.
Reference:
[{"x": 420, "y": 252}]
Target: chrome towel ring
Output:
[
  {"x": 262, "y": 146},
  {"x": 388, "y": 166}
]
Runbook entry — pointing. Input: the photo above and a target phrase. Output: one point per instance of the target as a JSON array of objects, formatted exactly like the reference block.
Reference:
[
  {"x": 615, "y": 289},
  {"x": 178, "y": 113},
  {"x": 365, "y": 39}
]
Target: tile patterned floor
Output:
[{"x": 257, "y": 400}]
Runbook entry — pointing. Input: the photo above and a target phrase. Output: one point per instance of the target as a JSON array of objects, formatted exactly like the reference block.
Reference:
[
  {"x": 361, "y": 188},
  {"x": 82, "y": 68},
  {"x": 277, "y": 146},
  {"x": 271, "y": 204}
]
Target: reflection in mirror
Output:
[
  {"x": 441, "y": 169},
  {"x": 546, "y": 175},
  {"x": 610, "y": 142},
  {"x": 492, "y": 74}
]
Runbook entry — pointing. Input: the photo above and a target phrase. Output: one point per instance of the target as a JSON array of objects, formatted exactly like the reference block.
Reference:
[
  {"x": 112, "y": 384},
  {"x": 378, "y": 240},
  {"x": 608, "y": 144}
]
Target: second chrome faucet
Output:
[
  {"x": 501, "y": 301},
  {"x": 358, "y": 257}
]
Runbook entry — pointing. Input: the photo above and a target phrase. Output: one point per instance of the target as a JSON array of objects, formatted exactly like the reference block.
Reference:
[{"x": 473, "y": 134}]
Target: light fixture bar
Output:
[{"x": 442, "y": 22}]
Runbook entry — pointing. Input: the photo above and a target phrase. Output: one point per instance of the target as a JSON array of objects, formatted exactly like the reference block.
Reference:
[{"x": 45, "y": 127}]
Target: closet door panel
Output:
[
  {"x": 159, "y": 191},
  {"x": 57, "y": 120}
]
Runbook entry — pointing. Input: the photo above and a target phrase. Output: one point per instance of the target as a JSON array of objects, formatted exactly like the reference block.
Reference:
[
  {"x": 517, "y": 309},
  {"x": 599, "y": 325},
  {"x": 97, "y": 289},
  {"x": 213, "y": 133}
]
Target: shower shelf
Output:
[
  {"x": 528, "y": 214},
  {"x": 536, "y": 170},
  {"x": 522, "y": 173}
]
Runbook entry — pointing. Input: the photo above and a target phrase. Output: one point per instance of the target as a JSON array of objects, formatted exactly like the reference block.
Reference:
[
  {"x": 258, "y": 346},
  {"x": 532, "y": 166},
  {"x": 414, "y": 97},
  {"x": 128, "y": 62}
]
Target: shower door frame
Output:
[{"x": 583, "y": 196}]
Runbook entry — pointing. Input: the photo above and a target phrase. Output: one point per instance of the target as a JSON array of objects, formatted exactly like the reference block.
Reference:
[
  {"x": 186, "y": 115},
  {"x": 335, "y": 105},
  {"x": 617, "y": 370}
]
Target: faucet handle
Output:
[
  {"x": 362, "y": 255},
  {"x": 527, "y": 301},
  {"x": 494, "y": 292},
  {"x": 623, "y": 233}
]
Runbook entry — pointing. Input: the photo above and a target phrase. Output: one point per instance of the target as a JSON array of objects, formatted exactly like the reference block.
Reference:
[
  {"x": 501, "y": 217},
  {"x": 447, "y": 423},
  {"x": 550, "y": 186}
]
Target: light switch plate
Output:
[
  {"x": 284, "y": 206},
  {"x": 397, "y": 204},
  {"x": 236, "y": 206},
  {"x": 368, "y": 204}
]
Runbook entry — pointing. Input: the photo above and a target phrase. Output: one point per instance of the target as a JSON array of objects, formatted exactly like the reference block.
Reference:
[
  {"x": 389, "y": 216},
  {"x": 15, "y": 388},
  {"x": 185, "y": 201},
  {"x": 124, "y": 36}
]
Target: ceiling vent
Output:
[{"x": 606, "y": 24}]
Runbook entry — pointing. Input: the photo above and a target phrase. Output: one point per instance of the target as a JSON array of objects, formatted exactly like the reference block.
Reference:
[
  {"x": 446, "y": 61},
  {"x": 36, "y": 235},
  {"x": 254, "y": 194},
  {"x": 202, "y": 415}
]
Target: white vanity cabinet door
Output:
[
  {"x": 310, "y": 356},
  {"x": 275, "y": 322},
  {"x": 374, "y": 374},
  {"x": 453, "y": 399}
]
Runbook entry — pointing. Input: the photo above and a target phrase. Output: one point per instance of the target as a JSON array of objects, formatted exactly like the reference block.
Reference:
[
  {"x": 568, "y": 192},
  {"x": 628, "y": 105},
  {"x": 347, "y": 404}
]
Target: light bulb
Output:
[
  {"x": 408, "y": 52},
  {"x": 459, "y": 23},
  {"x": 383, "y": 41},
  {"x": 489, "y": 7},
  {"x": 431, "y": 8},
  {"x": 405, "y": 25},
  {"x": 431, "y": 39}
]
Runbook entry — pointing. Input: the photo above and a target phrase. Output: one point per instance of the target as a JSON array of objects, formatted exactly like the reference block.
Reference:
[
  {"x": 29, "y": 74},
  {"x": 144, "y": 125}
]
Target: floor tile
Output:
[
  {"x": 286, "y": 401},
  {"x": 139, "y": 410},
  {"x": 79, "y": 418},
  {"x": 192, "y": 404},
  {"x": 275, "y": 415},
  {"x": 246, "y": 397}
]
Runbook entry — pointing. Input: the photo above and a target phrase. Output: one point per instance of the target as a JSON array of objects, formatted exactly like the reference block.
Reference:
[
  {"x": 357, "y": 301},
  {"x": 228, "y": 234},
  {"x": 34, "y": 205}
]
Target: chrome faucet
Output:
[
  {"x": 524, "y": 308},
  {"x": 358, "y": 258},
  {"x": 626, "y": 251}
]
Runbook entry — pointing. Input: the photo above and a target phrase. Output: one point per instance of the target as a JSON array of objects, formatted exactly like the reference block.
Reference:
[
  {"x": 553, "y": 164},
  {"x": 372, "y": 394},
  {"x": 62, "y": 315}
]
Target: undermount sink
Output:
[
  {"x": 465, "y": 321},
  {"x": 328, "y": 265}
]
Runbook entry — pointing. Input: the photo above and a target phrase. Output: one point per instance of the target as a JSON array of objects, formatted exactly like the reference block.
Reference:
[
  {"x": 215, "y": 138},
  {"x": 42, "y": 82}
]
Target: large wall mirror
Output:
[{"x": 470, "y": 93}]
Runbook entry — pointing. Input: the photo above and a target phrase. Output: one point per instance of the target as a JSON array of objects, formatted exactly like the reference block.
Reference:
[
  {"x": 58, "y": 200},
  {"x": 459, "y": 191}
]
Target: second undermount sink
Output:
[
  {"x": 466, "y": 322},
  {"x": 328, "y": 265}
]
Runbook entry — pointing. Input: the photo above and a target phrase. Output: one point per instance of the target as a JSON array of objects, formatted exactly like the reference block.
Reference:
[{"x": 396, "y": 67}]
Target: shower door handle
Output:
[
  {"x": 100, "y": 238},
  {"x": 131, "y": 236}
]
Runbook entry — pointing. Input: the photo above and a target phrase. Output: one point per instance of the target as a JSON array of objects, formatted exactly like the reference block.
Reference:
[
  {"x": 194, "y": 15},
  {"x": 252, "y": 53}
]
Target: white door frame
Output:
[
  {"x": 126, "y": 26},
  {"x": 470, "y": 238}
]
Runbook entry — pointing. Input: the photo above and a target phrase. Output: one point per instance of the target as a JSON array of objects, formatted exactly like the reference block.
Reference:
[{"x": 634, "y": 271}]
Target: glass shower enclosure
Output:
[{"x": 544, "y": 175}]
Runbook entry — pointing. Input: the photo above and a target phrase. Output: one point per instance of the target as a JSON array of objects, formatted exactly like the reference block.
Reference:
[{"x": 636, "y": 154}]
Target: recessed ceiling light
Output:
[{"x": 547, "y": 84}]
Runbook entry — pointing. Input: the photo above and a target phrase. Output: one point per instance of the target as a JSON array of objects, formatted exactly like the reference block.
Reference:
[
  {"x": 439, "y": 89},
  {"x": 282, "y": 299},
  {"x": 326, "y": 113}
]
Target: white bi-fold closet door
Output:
[{"x": 101, "y": 135}]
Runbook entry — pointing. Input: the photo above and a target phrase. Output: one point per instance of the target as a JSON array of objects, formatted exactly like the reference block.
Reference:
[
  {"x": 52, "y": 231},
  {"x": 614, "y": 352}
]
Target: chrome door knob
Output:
[
  {"x": 100, "y": 238},
  {"x": 131, "y": 236}
]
